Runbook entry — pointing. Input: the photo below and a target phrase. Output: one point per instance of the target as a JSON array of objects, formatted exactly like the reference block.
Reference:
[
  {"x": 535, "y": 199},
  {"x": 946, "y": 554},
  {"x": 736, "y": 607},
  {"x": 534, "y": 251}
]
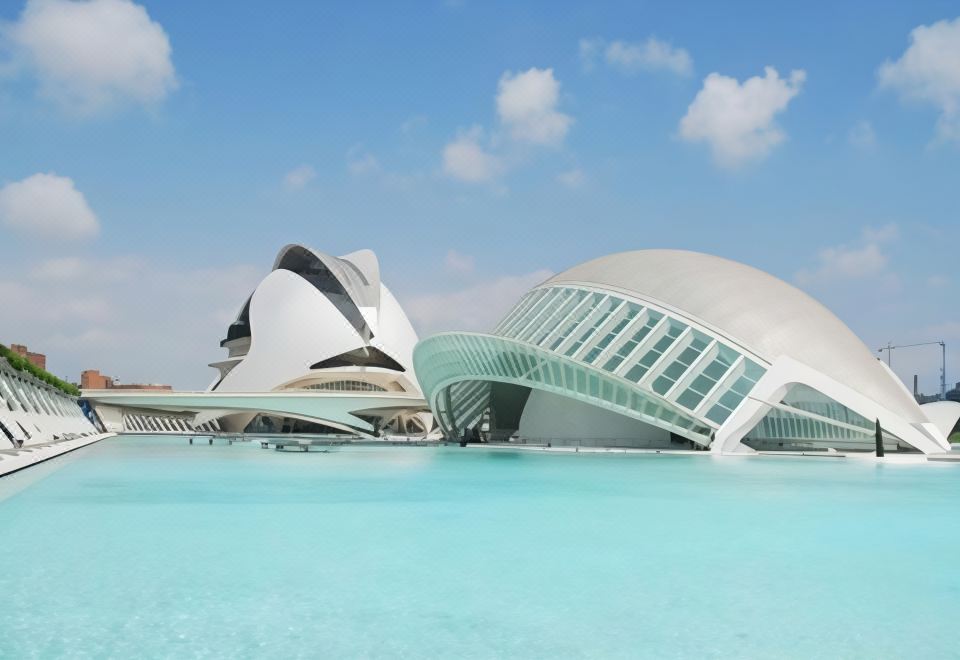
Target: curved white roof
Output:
[
  {"x": 358, "y": 272},
  {"x": 292, "y": 324},
  {"x": 943, "y": 414},
  {"x": 759, "y": 312}
]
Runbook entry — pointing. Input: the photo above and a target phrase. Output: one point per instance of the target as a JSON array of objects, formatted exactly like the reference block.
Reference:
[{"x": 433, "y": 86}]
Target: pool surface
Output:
[{"x": 149, "y": 547}]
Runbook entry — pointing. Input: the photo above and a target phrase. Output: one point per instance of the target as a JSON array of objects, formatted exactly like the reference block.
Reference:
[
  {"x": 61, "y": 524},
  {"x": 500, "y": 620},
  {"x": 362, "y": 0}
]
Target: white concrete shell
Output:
[
  {"x": 321, "y": 321},
  {"x": 319, "y": 340},
  {"x": 33, "y": 412},
  {"x": 945, "y": 415},
  {"x": 754, "y": 310},
  {"x": 708, "y": 349}
]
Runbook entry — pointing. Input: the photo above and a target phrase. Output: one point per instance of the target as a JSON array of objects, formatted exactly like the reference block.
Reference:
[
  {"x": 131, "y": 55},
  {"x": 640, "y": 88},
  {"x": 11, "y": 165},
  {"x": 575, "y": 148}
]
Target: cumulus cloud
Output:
[
  {"x": 47, "y": 206},
  {"x": 299, "y": 177},
  {"x": 652, "y": 54},
  {"x": 466, "y": 159},
  {"x": 737, "y": 119},
  {"x": 133, "y": 319},
  {"x": 929, "y": 72},
  {"x": 527, "y": 107},
  {"x": 862, "y": 135},
  {"x": 92, "y": 55},
  {"x": 572, "y": 178},
  {"x": 476, "y": 308},
  {"x": 860, "y": 260},
  {"x": 457, "y": 262}
]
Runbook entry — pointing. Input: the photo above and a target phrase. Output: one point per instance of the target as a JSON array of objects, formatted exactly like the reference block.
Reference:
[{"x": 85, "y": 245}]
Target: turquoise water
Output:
[{"x": 154, "y": 548}]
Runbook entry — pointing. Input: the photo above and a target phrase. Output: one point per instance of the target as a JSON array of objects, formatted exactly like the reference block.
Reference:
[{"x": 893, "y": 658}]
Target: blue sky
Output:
[{"x": 475, "y": 147}]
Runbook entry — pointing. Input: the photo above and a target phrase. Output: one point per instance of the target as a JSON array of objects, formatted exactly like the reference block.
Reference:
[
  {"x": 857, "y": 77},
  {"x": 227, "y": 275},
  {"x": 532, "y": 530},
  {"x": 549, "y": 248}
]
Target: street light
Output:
[{"x": 943, "y": 360}]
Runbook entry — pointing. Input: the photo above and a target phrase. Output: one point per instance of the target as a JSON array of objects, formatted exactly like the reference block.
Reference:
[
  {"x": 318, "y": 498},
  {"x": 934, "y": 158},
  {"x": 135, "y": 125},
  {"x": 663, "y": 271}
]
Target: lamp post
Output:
[{"x": 943, "y": 359}]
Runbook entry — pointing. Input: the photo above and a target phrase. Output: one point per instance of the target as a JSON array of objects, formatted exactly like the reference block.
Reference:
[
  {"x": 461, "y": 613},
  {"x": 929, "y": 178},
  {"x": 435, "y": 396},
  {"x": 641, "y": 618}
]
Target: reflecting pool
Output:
[{"x": 151, "y": 547}]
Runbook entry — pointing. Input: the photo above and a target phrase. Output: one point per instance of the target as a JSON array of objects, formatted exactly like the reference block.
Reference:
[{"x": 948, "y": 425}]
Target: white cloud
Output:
[
  {"x": 938, "y": 281},
  {"x": 130, "y": 318},
  {"x": 862, "y": 260},
  {"x": 572, "y": 178},
  {"x": 459, "y": 263},
  {"x": 862, "y": 135},
  {"x": 361, "y": 163},
  {"x": 465, "y": 159},
  {"x": 48, "y": 206},
  {"x": 736, "y": 120},
  {"x": 527, "y": 106},
  {"x": 929, "y": 72},
  {"x": 649, "y": 55},
  {"x": 89, "y": 56},
  {"x": 61, "y": 269},
  {"x": 475, "y": 308},
  {"x": 299, "y": 177}
]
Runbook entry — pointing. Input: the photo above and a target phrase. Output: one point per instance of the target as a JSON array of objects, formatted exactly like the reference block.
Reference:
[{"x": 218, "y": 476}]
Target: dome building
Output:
[
  {"x": 321, "y": 346},
  {"x": 323, "y": 324},
  {"x": 667, "y": 348}
]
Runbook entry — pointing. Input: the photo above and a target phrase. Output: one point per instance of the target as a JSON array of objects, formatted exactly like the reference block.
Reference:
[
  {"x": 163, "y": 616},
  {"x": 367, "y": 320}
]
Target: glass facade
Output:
[
  {"x": 643, "y": 345},
  {"x": 591, "y": 345},
  {"x": 346, "y": 386},
  {"x": 643, "y": 360},
  {"x": 456, "y": 369},
  {"x": 827, "y": 421}
]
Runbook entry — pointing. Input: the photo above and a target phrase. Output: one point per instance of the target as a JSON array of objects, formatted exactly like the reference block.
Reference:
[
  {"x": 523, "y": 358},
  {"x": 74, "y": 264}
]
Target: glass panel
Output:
[
  {"x": 718, "y": 414},
  {"x": 675, "y": 370},
  {"x": 571, "y": 324},
  {"x": 560, "y": 307},
  {"x": 540, "y": 313},
  {"x": 635, "y": 373},
  {"x": 689, "y": 399},
  {"x": 604, "y": 310},
  {"x": 702, "y": 384},
  {"x": 661, "y": 385},
  {"x": 731, "y": 399}
]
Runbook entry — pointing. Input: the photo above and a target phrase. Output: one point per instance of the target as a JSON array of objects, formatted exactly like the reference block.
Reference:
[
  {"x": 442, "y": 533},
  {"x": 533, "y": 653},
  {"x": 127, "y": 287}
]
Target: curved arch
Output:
[
  {"x": 450, "y": 358},
  {"x": 786, "y": 372}
]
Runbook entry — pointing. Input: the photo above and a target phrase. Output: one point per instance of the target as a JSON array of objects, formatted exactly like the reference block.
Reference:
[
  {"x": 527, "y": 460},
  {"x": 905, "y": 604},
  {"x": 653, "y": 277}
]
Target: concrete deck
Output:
[
  {"x": 14, "y": 460},
  {"x": 946, "y": 457}
]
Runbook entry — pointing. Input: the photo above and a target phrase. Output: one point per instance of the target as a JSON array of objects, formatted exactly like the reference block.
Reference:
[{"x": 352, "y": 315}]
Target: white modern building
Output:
[
  {"x": 321, "y": 345},
  {"x": 33, "y": 412},
  {"x": 667, "y": 348}
]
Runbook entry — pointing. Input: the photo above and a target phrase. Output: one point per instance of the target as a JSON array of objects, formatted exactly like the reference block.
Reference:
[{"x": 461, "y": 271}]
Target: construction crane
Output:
[{"x": 943, "y": 360}]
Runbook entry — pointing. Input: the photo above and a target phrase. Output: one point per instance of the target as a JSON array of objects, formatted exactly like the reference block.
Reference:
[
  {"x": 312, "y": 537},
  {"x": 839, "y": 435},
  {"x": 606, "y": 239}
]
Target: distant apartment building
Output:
[
  {"x": 92, "y": 379},
  {"x": 36, "y": 359}
]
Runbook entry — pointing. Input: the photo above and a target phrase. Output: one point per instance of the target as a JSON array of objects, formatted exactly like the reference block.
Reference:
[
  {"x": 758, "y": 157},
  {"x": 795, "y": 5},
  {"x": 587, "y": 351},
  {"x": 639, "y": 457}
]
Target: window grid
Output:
[
  {"x": 606, "y": 307},
  {"x": 536, "y": 310},
  {"x": 626, "y": 351}
]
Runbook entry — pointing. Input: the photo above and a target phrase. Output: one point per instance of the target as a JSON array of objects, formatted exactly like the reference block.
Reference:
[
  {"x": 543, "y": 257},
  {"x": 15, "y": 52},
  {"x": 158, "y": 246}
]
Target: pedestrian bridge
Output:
[{"x": 349, "y": 411}]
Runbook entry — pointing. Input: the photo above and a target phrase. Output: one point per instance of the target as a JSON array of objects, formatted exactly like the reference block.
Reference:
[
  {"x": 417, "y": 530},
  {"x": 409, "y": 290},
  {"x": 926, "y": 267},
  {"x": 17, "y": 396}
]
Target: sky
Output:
[{"x": 155, "y": 156}]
